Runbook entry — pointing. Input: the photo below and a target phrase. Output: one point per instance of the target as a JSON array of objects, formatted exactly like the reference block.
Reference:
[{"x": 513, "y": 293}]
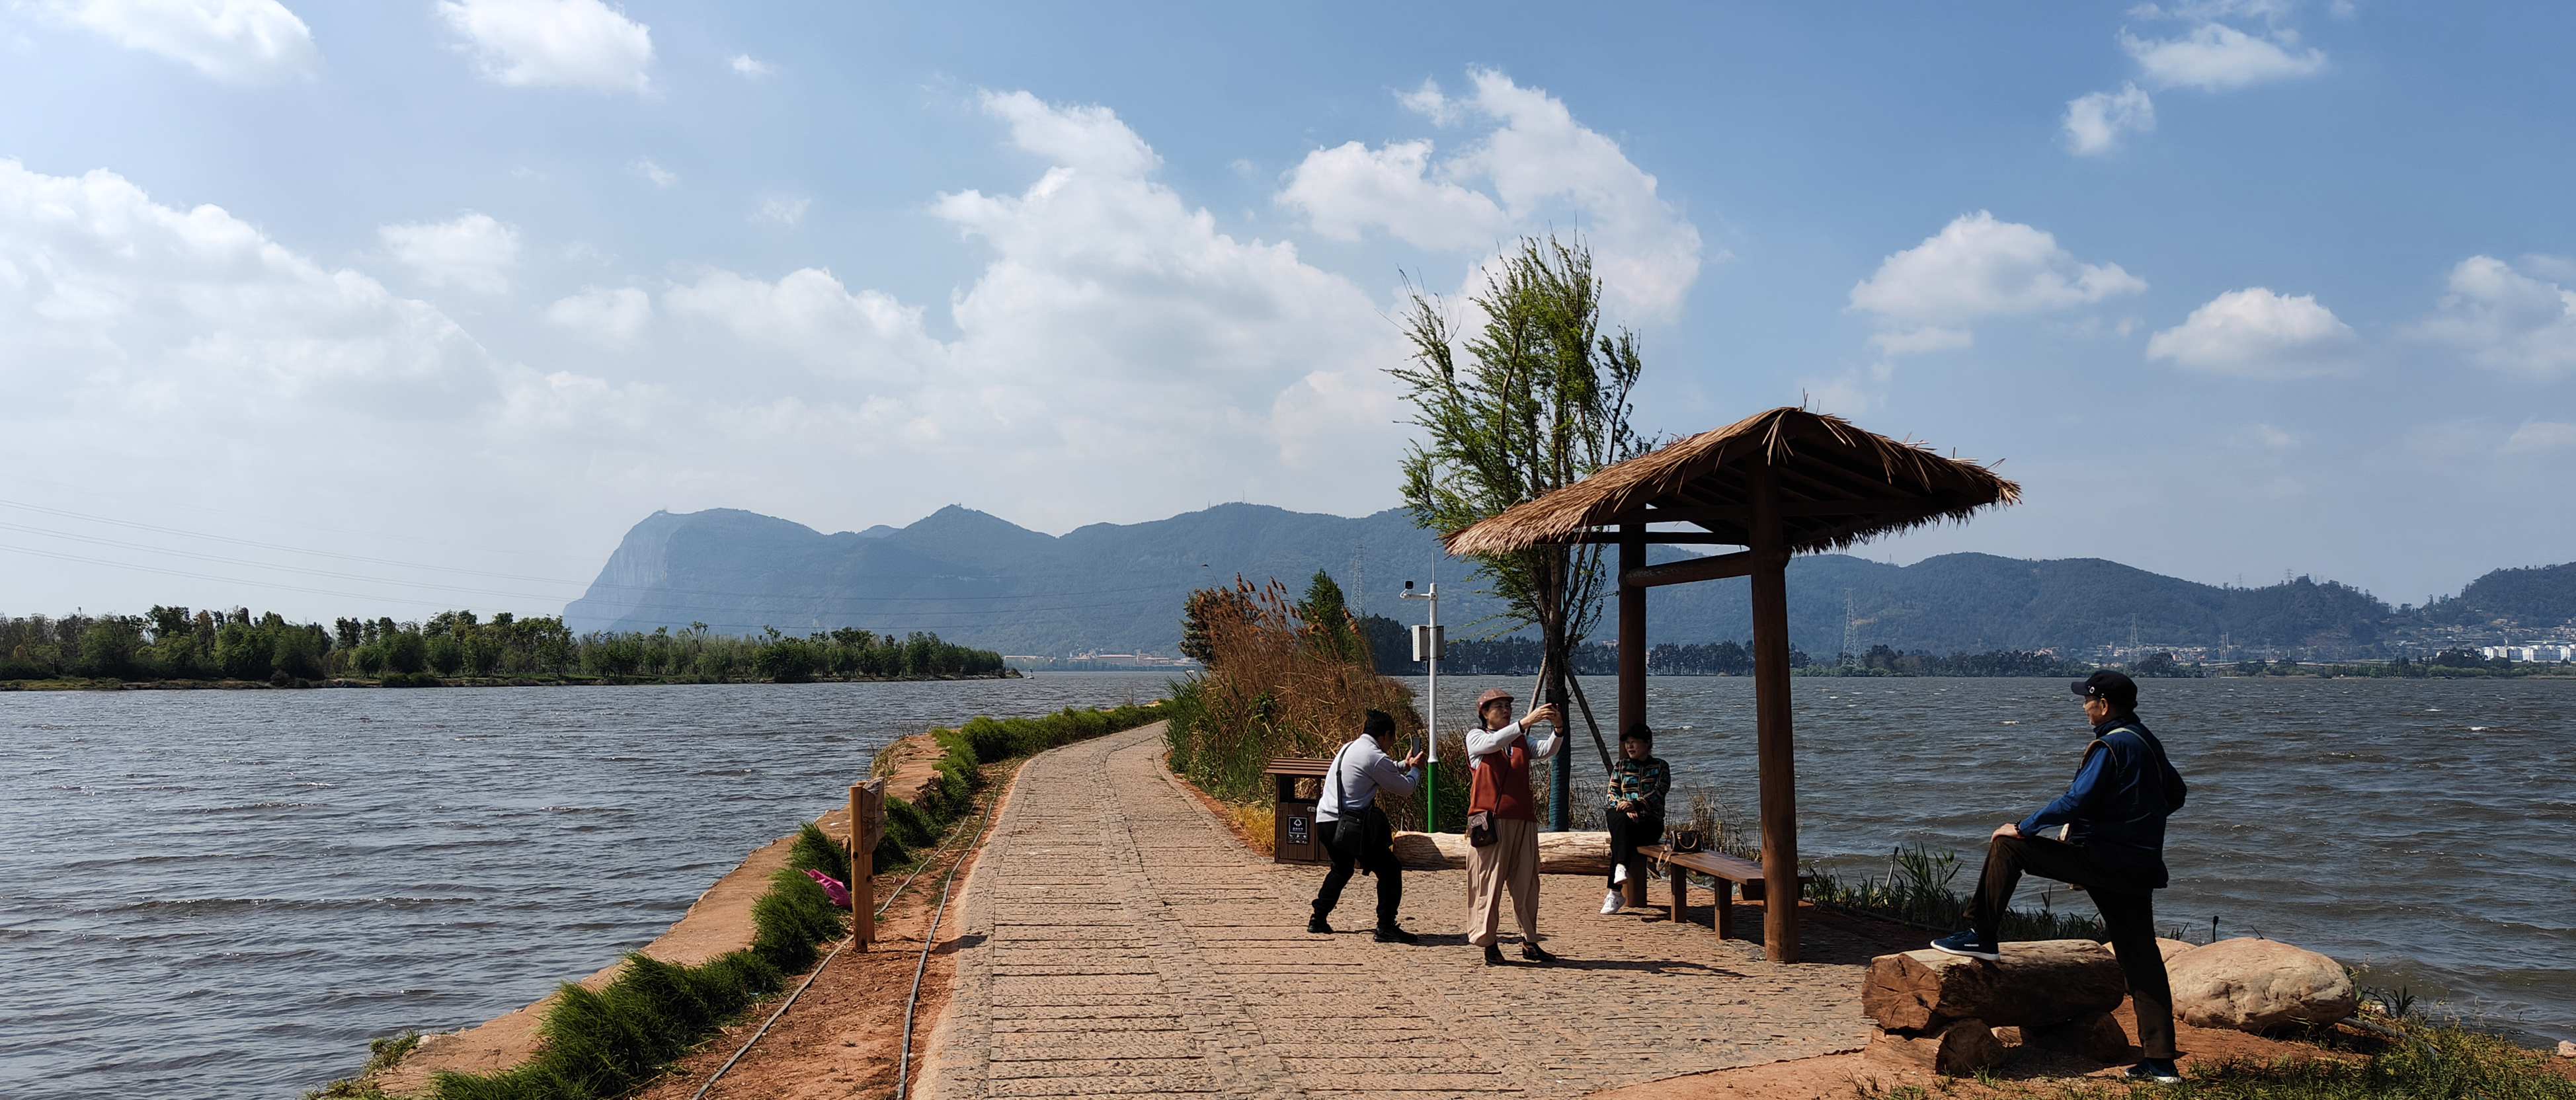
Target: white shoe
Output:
[
  {"x": 1619, "y": 873},
  {"x": 1610, "y": 903}
]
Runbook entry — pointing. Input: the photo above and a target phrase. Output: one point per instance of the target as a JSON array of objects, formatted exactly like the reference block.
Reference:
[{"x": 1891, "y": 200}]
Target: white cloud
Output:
[
  {"x": 473, "y": 252},
  {"x": 810, "y": 316},
  {"x": 2095, "y": 122},
  {"x": 1349, "y": 188},
  {"x": 2255, "y": 333},
  {"x": 235, "y": 41},
  {"x": 660, "y": 176},
  {"x": 1977, "y": 267},
  {"x": 2215, "y": 57},
  {"x": 2505, "y": 319},
  {"x": 781, "y": 211},
  {"x": 748, "y": 68},
  {"x": 1115, "y": 357},
  {"x": 148, "y": 313},
  {"x": 572, "y": 43},
  {"x": 2541, "y": 436},
  {"x": 608, "y": 317},
  {"x": 1535, "y": 168}
]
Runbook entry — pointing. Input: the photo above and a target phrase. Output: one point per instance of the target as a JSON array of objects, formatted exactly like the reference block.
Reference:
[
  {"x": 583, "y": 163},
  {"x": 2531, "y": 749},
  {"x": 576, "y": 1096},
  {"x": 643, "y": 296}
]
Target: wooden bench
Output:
[{"x": 1729, "y": 872}]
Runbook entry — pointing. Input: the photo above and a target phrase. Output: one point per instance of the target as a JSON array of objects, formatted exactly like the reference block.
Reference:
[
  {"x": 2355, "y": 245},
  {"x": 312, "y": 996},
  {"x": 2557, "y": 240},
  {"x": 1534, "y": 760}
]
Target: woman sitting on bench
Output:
[{"x": 1636, "y": 811}]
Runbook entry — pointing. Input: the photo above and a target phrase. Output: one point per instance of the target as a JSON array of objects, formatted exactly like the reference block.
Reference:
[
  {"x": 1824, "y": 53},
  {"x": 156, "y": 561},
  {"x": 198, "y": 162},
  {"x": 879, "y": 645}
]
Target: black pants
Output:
[
  {"x": 2128, "y": 912},
  {"x": 1380, "y": 861},
  {"x": 1626, "y": 835}
]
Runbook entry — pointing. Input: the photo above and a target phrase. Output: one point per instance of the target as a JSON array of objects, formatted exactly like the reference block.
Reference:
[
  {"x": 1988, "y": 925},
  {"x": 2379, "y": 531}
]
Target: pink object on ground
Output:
[{"x": 832, "y": 887}]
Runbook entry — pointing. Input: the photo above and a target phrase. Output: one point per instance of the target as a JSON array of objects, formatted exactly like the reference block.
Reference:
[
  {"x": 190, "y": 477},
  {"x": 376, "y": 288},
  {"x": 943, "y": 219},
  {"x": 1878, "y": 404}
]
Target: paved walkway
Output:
[{"x": 1116, "y": 940}]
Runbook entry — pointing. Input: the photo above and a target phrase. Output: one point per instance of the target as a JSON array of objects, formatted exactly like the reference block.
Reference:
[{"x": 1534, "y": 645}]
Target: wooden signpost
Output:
[{"x": 867, "y": 826}]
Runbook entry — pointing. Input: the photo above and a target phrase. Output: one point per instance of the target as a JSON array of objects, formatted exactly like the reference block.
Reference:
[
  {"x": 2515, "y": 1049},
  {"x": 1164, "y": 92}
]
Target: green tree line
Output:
[{"x": 176, "y": 643}]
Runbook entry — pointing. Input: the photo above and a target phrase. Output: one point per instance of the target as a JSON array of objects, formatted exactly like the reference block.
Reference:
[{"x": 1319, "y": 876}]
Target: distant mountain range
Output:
[{"x": 978, "y": 580}]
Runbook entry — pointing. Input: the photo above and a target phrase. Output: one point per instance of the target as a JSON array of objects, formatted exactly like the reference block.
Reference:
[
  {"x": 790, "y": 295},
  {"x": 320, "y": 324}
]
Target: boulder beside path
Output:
[
  {"x": 2036, "y": 984},
  {"x": 2255, "y": 985}
]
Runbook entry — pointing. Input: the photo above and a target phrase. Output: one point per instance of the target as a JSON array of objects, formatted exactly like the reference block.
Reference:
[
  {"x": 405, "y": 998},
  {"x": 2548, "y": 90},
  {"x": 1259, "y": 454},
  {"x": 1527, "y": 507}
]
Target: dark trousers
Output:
[
  {"x": 2128, "y": 912},
  {"x": 1626, "y": 835},
  {"x": 1379, "y": 861}
]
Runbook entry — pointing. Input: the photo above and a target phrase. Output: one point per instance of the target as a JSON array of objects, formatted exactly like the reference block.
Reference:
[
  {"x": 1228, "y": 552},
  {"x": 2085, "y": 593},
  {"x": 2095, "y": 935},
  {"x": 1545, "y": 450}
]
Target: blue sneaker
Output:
[
  {"x": 1968, "y": 943},
  {"x": 2158, "y": 1070}
]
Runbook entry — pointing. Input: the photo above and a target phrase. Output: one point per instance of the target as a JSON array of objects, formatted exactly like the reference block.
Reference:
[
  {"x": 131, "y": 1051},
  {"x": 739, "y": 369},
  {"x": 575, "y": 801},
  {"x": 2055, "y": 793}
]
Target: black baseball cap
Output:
[{"x": 2115, "y": 688}]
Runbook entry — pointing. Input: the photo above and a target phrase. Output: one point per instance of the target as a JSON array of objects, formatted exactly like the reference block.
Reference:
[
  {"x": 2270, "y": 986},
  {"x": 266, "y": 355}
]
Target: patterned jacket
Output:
[{"x": 1643, "y": 781}]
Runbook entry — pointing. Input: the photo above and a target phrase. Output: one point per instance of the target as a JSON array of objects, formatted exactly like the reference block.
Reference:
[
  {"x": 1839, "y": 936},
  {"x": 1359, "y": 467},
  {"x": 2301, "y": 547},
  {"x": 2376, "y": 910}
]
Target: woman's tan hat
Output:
[{"x": 1489, "y": 696}]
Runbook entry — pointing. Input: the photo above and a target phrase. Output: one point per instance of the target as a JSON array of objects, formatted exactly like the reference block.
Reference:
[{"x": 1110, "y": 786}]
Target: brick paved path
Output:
[{"x": 1116, "y": 940}]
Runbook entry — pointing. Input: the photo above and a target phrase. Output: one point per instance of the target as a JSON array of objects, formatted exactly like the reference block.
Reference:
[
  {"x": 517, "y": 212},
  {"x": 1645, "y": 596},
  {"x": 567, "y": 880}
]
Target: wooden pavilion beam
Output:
[{"x": 1715, "y": 567}]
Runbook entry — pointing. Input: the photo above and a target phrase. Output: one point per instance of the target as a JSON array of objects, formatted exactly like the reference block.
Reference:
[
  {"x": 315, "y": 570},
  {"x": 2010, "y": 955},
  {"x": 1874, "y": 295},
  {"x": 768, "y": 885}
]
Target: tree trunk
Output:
[{"x": 2036, "y": 984}]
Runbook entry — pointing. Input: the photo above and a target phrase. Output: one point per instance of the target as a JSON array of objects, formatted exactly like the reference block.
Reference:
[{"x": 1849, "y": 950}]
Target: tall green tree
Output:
[{"x": 1540, "y": 401}]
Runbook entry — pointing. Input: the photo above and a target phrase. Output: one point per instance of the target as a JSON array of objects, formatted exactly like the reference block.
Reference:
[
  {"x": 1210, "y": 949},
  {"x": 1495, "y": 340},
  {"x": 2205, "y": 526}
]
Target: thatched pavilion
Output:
[{"x": 1784, "y": 482}]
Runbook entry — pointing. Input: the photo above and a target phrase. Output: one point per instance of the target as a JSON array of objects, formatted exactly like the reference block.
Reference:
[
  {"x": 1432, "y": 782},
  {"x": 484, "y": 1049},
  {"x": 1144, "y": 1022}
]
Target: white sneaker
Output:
[
  {"x": 1610, "y": 903},
  {"x": 1619, "y": 873}
]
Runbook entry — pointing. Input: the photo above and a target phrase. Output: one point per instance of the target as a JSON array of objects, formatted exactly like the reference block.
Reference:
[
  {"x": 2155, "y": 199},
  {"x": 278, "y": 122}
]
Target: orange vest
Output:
[{"x": 1500, "y": 785}]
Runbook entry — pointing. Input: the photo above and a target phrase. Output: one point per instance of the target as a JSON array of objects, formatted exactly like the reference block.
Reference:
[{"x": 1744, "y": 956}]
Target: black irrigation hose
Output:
[
  {"x": 836, "y": 953},
  {"x": 929, "y": 940}
]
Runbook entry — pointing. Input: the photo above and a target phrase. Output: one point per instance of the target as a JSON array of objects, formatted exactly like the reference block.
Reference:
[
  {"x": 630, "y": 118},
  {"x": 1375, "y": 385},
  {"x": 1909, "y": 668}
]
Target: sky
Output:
[{"x": 382, "y": 308}]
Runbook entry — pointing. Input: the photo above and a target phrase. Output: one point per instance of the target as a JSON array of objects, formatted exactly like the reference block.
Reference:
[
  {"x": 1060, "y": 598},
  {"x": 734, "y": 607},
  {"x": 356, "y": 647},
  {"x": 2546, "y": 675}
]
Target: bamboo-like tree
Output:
[{"x": 1541, "y": 401}]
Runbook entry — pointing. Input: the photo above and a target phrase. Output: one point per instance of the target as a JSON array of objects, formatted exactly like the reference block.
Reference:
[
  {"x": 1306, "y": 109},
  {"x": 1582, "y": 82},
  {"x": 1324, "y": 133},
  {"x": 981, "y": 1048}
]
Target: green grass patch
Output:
[
  {"x": 1916, "y": 890},
  {"x": 2439, "y": 1062},
  {"x": 382, "y": 1052}
]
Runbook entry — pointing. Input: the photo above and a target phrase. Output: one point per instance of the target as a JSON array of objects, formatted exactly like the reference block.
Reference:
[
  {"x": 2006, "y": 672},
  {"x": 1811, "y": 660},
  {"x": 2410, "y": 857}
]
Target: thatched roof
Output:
[{"x": 1838, "y": 485}]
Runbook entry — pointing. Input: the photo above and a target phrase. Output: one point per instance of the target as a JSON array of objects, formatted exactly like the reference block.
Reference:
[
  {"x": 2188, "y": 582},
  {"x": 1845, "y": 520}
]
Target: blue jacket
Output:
[{"x": 2119, "y": 801}]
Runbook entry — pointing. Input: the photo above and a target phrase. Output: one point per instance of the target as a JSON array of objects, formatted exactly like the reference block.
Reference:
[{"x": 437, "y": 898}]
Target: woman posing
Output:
[
  {"x": 1636, "y": 812},
  {"x": 1499, "y": 752}
]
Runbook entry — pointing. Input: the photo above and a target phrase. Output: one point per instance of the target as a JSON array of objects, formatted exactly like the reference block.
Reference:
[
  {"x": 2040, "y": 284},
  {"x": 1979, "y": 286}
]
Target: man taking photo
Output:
[
  {"x": 2114, "y": 813},
  {"x": 1355, "y": 831}
]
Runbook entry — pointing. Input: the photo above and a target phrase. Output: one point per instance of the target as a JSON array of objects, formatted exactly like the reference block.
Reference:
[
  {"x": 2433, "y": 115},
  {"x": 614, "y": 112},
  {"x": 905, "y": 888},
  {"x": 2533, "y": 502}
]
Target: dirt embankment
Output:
[{"x": 834, "y": 1029}]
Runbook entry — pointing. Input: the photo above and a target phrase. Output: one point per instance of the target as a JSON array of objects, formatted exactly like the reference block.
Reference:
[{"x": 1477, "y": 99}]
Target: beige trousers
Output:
[{"x": 1510, "y": 862}]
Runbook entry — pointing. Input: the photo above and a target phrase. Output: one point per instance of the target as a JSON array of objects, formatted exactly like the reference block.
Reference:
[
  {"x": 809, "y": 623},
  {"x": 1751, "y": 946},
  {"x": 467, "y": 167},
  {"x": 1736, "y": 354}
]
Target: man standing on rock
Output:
[
  {"x": 2113, "y": 849},
  {"x": 1355, "y": 831}
]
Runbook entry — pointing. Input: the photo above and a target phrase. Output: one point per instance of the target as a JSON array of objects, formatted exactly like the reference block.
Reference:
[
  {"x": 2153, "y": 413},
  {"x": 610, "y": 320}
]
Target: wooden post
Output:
[
  {"x": 1632, "y": 664},
  {"x": 1775, "y": 748},
  {"x": 867, "y": 826}
]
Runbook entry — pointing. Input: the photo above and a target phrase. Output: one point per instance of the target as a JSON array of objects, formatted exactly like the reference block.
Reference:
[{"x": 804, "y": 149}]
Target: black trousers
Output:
[
  {"x": 2128, "y": 912},
  {"x": 1380, "y": 862},
  {"x": 1626, "y": 835}
]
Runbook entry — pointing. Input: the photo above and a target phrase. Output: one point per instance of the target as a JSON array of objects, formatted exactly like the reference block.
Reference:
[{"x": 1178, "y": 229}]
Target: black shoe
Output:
[
  {"x": 1493, "y": 955},
  {"x": 1535, "y": 954},
  {"x": 1969, "y": 944},
  {"x": 1317, "y": 926},
  {"x": 1388, "y": 933},
  {"x": 2158, "y": 1070}
]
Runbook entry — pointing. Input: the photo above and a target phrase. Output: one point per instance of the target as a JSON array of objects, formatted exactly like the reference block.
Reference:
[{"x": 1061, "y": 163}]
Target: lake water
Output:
[
  {"x": 227, "y": 893},
  {"x": 2422, "y": 829}
]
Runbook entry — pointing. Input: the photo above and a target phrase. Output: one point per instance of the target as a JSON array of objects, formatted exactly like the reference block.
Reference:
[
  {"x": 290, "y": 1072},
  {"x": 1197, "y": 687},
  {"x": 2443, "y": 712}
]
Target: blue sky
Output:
[{"x": 422, "y": 304}]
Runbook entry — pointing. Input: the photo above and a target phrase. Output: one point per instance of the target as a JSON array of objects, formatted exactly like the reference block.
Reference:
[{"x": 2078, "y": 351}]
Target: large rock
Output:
[
  {"x": 2252, "y": 985},
  {"x": 1959, "y": 1048},
  {"x": 2038, "y": 983},
  {"x": 2167, "y": 948},
  {"x": 1558, "y": 853}
]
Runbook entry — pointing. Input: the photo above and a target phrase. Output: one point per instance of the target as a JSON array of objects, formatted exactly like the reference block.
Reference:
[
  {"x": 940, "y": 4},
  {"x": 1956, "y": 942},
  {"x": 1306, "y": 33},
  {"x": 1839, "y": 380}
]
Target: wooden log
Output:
[
  {"x": 2039, "y": 983},
  {"x": 1959, "y": 1048},
  {"x": 1572, "y": 853}
]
